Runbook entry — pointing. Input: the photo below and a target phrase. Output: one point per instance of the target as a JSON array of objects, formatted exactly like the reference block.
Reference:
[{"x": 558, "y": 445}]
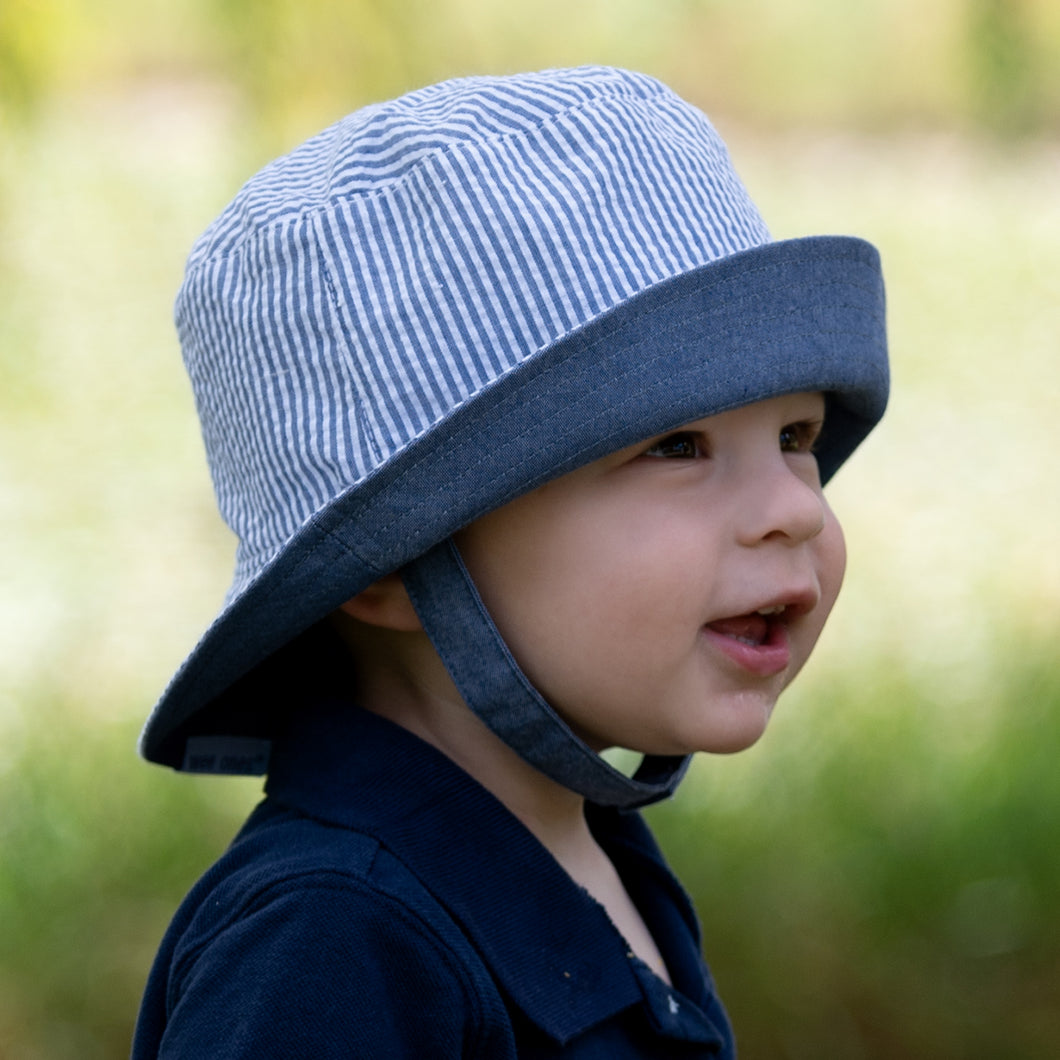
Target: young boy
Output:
[{"x": 521, "y": 420}]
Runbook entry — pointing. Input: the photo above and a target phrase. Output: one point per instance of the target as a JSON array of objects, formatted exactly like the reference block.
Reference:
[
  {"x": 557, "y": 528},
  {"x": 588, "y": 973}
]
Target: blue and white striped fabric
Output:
[{"x": 364, "y": 286}]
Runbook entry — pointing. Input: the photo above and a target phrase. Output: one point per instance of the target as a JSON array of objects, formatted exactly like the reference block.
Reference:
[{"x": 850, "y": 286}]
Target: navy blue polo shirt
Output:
[{"x": 381, "y": 903}]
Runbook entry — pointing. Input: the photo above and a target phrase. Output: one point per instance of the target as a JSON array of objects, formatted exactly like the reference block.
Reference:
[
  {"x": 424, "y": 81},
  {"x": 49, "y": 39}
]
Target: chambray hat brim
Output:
[{"x": 799, "y": 315}]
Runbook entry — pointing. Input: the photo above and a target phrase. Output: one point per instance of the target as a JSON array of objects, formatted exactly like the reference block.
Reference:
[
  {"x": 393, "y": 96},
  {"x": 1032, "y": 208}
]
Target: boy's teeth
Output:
[
  {"x": 775, "y": 610},
  {"x": 749, "y": 629}
]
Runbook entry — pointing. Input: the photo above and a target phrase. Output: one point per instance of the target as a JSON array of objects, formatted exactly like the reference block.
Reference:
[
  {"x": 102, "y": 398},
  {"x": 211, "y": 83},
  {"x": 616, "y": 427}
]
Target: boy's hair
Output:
[{"x": 444, "y": 301}]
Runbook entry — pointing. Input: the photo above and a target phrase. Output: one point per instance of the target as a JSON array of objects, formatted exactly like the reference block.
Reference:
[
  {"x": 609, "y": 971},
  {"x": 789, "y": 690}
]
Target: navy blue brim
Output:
[{"x": 800, "y": 315}]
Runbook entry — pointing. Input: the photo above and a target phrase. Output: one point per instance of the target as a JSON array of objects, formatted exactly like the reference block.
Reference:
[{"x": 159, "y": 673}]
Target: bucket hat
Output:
[{"x": 444, "y": 301}]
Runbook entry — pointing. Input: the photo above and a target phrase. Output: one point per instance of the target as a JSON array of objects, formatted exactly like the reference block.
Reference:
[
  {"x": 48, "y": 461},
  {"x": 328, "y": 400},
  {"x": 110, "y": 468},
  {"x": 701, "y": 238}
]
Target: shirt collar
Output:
[{"x": 549, "y": 944}]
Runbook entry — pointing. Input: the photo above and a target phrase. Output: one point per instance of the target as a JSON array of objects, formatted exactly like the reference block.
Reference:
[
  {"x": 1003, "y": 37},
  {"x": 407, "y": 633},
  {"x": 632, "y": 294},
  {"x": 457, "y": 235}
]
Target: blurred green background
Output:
[{"x": 881, "y": 876}]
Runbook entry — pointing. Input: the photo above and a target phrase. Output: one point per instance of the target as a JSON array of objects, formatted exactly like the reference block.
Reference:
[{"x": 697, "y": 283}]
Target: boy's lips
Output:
[
  {"x": 755, "y": 643},
  {"x": 757, "y": 640}
]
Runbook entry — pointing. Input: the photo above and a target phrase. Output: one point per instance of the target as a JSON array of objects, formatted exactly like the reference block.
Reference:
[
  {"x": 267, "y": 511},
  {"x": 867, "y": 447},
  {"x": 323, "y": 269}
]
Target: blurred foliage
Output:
[
  {"x": 95, "y": 859},
  {"x": 1004, "y": 58},
  {"x": 880, "y": 878},
  {"x": 31, "y": 35},
  {"x": 991, "y": 64}
]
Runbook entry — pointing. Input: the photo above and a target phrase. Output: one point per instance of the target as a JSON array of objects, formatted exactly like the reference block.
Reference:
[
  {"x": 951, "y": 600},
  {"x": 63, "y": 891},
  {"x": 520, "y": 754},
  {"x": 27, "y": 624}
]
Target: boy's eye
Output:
[
  {"x": 681, "y": 446},
  {"x": 799, "y": 437}
]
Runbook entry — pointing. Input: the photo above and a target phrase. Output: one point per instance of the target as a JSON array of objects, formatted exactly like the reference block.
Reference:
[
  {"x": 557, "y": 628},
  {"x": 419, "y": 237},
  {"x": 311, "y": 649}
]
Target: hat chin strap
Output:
[{"x": 496, "y": 689}]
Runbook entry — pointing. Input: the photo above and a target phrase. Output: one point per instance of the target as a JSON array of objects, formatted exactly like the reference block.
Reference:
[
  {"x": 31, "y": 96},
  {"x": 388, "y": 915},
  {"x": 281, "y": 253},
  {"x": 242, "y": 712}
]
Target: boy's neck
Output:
[{"x": 423, "y": 700}]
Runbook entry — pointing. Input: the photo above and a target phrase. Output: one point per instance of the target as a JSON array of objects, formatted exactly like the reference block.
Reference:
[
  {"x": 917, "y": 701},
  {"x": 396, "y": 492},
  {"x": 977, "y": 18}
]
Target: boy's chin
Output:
[
  {"x": 736, "y": 724},
  {"x": 729, "y": 742},
  {"x": 744, "y": 726},
  {"x": 736, "y": 743}
]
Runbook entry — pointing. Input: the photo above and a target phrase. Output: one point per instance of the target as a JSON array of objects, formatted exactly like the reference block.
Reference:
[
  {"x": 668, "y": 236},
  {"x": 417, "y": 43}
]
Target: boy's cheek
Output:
[
  {"x": 830, "y": 547},
  {"x": 835, "y": 563}
]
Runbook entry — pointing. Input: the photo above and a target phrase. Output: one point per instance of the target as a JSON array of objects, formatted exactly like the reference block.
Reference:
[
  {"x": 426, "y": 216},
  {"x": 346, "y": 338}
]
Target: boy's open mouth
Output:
[
  {"x": 755, "y": 628},
  {"x": 757, "y": 642}
]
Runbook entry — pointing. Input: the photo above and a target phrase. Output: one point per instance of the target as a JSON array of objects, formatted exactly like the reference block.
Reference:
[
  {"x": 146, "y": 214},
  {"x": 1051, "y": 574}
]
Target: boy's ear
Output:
[{"x": 385, "y": 604}]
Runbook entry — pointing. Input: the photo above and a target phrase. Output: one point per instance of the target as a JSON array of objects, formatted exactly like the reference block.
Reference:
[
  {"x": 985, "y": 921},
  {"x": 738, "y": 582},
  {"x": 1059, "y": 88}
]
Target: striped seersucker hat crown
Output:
[{"x": 441, "y": 302}]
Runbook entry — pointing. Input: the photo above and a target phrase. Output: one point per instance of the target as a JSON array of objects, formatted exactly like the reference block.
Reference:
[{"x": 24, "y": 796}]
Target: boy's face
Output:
[{"x": 662, "y": 598}]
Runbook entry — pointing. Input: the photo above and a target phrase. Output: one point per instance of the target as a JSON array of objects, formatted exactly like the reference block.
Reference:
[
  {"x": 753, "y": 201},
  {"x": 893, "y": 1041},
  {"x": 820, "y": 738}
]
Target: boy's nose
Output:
[{"x": 782, "y": 505}]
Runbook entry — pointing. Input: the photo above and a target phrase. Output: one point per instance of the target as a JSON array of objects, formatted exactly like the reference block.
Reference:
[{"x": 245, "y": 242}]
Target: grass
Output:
[{"x": 880, "y": 878}]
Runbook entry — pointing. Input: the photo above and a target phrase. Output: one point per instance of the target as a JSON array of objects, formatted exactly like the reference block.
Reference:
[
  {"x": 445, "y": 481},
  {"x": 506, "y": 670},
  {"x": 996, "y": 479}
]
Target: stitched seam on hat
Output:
[{"x": 363, "y": 421}]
